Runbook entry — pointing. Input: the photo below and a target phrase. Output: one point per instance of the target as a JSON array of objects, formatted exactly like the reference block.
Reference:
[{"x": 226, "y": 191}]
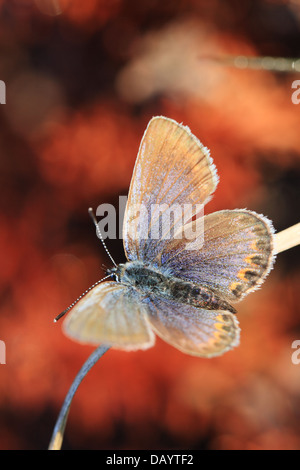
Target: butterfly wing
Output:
[
  {"x": 113, "y": 314},
  {"x": 195, "y": 331},
  {"x": 234, "y": 259},
  {"x": 173, "y": 170}
]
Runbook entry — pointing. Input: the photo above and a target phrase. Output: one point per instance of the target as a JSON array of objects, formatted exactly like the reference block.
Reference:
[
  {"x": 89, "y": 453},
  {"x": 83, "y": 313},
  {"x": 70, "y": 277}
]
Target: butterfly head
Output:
[{"x": 116, "y": 272}]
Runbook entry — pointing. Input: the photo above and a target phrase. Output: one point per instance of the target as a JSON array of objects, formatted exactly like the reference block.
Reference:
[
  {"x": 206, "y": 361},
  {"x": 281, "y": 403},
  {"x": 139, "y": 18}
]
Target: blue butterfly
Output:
[{"x": 166, "y": 288}]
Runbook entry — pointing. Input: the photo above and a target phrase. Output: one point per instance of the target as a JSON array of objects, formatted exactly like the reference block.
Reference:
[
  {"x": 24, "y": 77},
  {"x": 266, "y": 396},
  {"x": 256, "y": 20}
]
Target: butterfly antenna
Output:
[
  {"x": 80, "y": 297},
  {"x": 91, "y": 212}
]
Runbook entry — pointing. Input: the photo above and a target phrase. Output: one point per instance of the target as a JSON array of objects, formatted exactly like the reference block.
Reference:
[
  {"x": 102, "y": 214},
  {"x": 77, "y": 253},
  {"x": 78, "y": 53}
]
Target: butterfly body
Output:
[{"x": 148, "y": 280}]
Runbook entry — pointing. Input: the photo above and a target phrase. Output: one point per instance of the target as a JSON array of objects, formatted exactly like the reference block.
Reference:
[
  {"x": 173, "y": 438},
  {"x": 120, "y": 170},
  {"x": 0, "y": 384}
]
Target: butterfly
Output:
[{"x": 183, "y": 295}]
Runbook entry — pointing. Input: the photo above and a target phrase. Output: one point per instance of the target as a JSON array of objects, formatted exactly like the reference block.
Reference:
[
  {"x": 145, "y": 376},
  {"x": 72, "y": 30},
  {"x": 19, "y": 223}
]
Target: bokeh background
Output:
[{"x": 83, "y": 78}]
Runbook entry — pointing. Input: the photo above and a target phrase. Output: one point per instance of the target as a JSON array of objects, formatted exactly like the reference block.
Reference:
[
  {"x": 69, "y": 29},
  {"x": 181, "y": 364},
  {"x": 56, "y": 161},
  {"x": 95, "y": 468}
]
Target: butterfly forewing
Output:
[
  {"x": 173, "y": 171},
  {"x": 111, "y": 313}
]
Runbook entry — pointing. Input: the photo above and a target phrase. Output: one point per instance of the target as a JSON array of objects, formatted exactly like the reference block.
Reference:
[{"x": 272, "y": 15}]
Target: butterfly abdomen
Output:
[
  {"x": 197, "y": 296},
  {"x": 150, "y": 280}
]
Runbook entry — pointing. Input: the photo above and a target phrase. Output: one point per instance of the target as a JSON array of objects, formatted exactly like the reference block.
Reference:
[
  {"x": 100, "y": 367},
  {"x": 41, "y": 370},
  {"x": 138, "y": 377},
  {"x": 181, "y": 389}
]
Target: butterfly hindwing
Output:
[
  {"x": 234, "y": 257},
  {"x": 111, "y": 313},
  {"x": 195, "y": 331}
]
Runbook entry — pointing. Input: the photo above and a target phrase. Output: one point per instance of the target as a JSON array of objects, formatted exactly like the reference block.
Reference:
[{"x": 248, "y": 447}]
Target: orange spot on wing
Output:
[
  {"x": 234, "y": 286},
  {"x": 248, "y": 260},
  {"x": 253, "y": 245},
  {"x": 241, "y": 274}
]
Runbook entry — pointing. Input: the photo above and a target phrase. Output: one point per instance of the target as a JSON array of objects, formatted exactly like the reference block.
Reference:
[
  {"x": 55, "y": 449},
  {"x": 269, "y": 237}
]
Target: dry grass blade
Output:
[{"x": 287, "y": 238}]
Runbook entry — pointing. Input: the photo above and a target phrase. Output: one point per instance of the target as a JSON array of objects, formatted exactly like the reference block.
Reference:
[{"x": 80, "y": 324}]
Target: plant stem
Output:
[{"x": 58, "y": 432}]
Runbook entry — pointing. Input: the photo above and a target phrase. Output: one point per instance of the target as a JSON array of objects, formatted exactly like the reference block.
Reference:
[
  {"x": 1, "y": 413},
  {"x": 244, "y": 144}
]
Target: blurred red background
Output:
[{"x": 82, "y": 81}]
